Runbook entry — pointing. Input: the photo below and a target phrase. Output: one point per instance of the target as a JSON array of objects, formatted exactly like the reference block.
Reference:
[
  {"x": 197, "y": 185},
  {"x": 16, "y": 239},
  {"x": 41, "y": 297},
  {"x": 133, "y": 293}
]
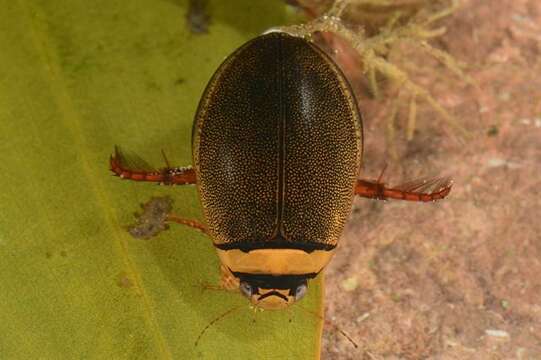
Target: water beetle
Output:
[{"x": 277, "y": 143}]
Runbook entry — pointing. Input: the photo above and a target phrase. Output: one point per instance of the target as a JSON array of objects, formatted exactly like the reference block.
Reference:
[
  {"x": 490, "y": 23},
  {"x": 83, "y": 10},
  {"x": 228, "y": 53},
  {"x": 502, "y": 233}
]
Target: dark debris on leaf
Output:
[
  {"x": 153, "y": 219},
  {"x": 198, "y": 17}
]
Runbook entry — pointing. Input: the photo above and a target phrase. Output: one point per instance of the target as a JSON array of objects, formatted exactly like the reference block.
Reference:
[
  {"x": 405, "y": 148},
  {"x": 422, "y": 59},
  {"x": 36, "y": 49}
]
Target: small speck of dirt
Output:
[
  {"x": 48, "y": 255},
  {"x": 180, "y": 81},
  {"x": 493, "y": 131},
  {"x": 124, "y": 281},
  {"x": 350, "y": 284},
  {"x": 63, "y": 253},
  {"x": 153, "y": 219},
  {"x": 152, "y": 85},
  {"x": 197, "y": 17}
]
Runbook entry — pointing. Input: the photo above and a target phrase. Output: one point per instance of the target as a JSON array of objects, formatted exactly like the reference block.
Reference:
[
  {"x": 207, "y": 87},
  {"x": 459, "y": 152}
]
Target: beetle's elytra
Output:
[{"x": 277, "y": 146}]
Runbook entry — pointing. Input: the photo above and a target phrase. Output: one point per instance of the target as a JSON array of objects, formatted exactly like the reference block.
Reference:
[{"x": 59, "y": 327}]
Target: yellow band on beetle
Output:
[{"x": 275, "y": 261}]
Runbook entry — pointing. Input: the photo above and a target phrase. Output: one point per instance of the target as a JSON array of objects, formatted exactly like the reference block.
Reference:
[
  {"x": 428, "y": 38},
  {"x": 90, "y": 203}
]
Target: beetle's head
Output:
[
  {"x": 273, "y": 292},
  {"x": 274, "y": 278}
]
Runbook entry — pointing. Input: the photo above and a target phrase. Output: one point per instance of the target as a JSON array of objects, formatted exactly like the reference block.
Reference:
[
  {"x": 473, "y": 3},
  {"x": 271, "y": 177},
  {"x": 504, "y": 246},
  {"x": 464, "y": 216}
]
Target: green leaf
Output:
[{"x": 76, "y": 78}]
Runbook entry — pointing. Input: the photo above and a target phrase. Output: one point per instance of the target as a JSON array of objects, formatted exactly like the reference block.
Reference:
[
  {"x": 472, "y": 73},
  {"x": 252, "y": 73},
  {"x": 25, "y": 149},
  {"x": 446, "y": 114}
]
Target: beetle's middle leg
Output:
[
  {"x": 140, "y": 171},
  {"x": 157, "y": 216},
  {"x": 188, "y": 222}
]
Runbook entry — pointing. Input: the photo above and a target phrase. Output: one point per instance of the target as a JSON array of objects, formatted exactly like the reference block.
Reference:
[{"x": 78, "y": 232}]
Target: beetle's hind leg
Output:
[
  {"x": 134, "y": 168},
  {"x": 422, "y": 189}
]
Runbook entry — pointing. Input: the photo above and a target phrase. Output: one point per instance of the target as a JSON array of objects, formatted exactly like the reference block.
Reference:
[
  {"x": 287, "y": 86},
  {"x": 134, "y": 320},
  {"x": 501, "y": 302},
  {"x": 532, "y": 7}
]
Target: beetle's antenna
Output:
[
  {"x": 330, "y": 323},
  {"x": 214, "y": 321}
]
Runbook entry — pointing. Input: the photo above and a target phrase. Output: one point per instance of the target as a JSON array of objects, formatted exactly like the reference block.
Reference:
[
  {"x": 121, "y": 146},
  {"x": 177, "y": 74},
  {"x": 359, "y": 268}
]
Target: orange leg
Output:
[
  {"x": 188, "y": 222},
  {"x": 155, "y": 218},
  {"x": 228, "y": 280},
  {"x": 424, "y": 189},
  {"x": 167, "y": 175}
]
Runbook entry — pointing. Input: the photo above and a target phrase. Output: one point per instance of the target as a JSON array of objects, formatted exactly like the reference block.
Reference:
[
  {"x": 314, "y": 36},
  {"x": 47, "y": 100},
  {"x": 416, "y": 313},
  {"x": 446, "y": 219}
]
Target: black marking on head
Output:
[
  {"x": 273, "y": 293},
  {"x": 282, "y": 282}
]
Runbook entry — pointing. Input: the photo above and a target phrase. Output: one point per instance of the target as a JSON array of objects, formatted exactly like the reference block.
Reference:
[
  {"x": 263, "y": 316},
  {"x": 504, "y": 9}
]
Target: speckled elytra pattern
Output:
[{"x": 277, "y": 145}]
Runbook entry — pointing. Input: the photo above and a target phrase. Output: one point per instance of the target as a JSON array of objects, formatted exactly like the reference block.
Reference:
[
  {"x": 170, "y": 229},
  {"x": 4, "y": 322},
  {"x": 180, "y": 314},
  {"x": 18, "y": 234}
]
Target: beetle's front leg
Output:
[{"x": 228, "y": 281}]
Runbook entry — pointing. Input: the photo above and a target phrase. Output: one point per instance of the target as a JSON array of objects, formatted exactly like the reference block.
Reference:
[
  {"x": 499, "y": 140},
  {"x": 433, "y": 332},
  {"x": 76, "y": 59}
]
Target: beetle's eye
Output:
[
  {"x": 300, "y": 291},
  {"x": 246, "y": 289}
]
